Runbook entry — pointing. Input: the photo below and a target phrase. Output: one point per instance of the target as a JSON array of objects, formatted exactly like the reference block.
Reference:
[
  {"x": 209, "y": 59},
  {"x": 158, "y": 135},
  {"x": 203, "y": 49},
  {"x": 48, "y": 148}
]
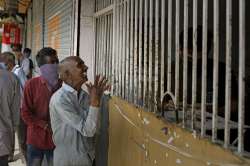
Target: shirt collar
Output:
[
  {"x": 15, "y": 68},
  {"x": 69, "y": 88}
]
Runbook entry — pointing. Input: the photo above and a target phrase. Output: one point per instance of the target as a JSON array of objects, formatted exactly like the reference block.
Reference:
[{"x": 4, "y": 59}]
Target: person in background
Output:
[
  {"x": 27, "y": 54},
  {"x": 22, "y": 61},
  {"x": 9, "y": 111},
  {"x": 75, "y": 114},
  {"x": 35, "y": 108},
  {"x": 11, "y": 65}
]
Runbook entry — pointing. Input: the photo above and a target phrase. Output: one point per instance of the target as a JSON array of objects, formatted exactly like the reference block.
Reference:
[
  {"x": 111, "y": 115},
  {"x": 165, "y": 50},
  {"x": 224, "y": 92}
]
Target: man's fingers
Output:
[
  {"x": 101, "y": 81},
  {"x": 104, "y": 83},
  {"x": 107, "y": 87},
  {"x": 89, "y": 86},
  {"x": 96, "y": 80}
]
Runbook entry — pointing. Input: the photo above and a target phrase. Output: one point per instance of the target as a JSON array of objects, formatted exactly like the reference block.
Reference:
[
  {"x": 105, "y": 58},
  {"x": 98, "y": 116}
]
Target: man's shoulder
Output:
[{"x": 35, "y": 81}]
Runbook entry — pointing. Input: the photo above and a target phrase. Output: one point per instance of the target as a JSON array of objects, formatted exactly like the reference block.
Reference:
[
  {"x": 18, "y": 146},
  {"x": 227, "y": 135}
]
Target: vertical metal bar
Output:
[
  {"x": 162, "y": 46},
  {"x": 204, "y": 68},
  {"x": 101, "y": 46},
  {"x": 127, "y": 50},
  {"x": 120, "y": 49},
  {"x": 117, "y": 49},
  {"x": 194, "y": 65},
  {"x": 140, "y": 53},
  {"x": 177, "y": 53},
  {"x": 97, "y": 46},
  {"x": 108, "y": 48},
  {"x": 104, "y": 59},
  {"x": 145, "y": 79},
  {"x": 123, "y": 49},
  {"x": 242, "y": 44},
  {"x": 136, "y": 54},
  {"x": 169, "y": 44},
  {"x": 150, "y": 86},
  {"x": 228, "y": 71},
  {"x": 185, "y": 65},
  {"x": 111, "y": 46},
  {"x": 156, "y": 97},
  {"x": 216, "y": 70},
  {"x": 113, "y": 82},
  {"x": 131, "y": 51}
]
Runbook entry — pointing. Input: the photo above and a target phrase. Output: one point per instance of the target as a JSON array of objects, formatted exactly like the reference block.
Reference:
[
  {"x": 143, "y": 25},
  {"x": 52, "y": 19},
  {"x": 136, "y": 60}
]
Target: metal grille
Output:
[{"x": 182, "y": 58}]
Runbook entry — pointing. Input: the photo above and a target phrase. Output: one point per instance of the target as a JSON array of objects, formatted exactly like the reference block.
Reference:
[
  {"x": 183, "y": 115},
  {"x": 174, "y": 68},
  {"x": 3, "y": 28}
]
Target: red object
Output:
[
  {"x": 11, "y": 34},
  {"x": 35, "y": 113}
]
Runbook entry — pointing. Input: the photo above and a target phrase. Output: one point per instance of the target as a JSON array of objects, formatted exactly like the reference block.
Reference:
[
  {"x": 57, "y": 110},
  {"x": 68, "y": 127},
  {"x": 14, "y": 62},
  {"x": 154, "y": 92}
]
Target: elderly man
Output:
[
  {"x": 73, "y": 120},
  {"x": 35, "y": 108},
  {"x": 9, "y": 112},
  {"x": 9, "y": 59},
  {"x": 11, "y": 65}
]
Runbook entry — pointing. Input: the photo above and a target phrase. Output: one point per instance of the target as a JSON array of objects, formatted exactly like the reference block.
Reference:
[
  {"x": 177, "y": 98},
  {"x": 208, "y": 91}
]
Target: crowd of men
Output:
[{"x": 52, "y": 115}]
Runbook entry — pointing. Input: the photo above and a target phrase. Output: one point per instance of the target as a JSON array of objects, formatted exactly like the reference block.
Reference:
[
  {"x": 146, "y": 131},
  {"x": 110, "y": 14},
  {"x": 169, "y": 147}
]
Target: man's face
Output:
[
  {"x": 17, "y": 53},
  {"x": 78, "y": 73}
]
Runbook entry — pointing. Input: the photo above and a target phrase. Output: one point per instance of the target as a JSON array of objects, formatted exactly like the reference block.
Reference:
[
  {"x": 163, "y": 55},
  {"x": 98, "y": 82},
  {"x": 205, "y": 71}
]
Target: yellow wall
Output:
[{"x": 138, "y": 138}]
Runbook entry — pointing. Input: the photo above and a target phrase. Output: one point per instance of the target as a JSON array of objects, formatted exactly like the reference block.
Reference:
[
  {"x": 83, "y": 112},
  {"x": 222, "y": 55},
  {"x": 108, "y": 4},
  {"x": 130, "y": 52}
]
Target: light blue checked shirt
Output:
[{"x": 74, "y": 124}]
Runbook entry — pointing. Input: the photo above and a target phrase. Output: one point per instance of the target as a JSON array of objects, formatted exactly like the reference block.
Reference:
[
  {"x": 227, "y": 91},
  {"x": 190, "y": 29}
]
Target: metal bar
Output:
[
  {"x": 131, "y": 51},
  {"x": 136, "y": 54},
  {"x": 216, "y": 70},
  {"x": 145, "y": 79},
  {"x": 113, "y": 82},
  {"x": 140, "y": 53},
  {"x": 100, "y": 48},
  {"x": 104, "y": 11},
  {"x": 204, "y": 68},
  {"x": 96, "y": 46},
  {"x": 104, "y": 59},
  {"x": 162, "y": 46},
  {"x": 108, "y": 48},
  {"x": 169, "y": 45},
  {"x": 117, "y": 48},
  {"x": 127, "y": 51},
  {"x": 194, "y": 65},
  {"x": 242, "y": 59},
  {"x": 150, "y": 86},
  {"x": 185, "y": 63},
  {"x": 123, "y": 50},
  {"x": 103, "y": 45},
  {"x": 111, "y": 47},
  {"x": 156, "y": 81},
  {"x": 120, "y": 50},
  {"x": 177, "y": 53},
  {"x": 228, "y": 71}
]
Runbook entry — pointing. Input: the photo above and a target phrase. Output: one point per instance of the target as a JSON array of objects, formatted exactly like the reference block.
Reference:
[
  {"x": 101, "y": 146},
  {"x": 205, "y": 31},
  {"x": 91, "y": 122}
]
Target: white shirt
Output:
[
  {"x": 18, "y": 71},
  {"x": 25, "y": 65},
  {"x": 74, "y": 124}
]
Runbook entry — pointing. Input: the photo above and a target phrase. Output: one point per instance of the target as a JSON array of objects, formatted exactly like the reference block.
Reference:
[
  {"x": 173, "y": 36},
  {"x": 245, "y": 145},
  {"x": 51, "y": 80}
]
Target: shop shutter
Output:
[{"x": 59, "y": 26}]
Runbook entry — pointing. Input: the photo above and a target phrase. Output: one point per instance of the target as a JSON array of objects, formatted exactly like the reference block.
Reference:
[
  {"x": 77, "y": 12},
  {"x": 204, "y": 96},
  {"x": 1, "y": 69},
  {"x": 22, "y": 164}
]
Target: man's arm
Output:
[
  {"x": 27, "y": 108},
  {"x": 86, "y": 126}
]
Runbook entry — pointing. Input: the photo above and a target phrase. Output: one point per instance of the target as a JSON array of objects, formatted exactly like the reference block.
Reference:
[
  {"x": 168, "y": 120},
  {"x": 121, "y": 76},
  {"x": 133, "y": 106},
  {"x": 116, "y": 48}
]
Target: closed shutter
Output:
[
  {"x": 37, "y": 30},
  {"x": 59, "y": 26}
]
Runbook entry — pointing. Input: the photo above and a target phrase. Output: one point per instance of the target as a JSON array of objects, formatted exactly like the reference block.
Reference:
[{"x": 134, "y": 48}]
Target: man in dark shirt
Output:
[{"x": 35, "y": 108}]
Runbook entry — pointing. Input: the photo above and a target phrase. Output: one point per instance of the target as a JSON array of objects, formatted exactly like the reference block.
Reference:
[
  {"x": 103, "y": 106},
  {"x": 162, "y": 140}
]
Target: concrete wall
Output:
[
  {"x": 86, "y": 50},
  {"x": 138, "y": 138}
]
